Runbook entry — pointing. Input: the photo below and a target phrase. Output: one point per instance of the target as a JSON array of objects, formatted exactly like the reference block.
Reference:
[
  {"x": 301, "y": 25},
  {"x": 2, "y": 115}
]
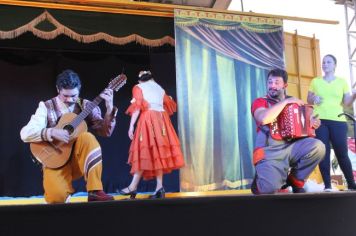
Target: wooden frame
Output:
[{"x": 138, "y": 8}]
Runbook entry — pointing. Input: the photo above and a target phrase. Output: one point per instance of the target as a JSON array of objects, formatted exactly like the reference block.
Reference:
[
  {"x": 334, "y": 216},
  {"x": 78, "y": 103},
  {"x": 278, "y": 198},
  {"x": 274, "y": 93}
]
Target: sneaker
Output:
[
  {"x": 298, "y": 190},
  {"x": 352, "y": 187},
  {"x": 99, "y": 195},
  {"x": 330, "y": 190},
  {"x": 284, "y": 190},
  {"x": 295, "y": 188}
]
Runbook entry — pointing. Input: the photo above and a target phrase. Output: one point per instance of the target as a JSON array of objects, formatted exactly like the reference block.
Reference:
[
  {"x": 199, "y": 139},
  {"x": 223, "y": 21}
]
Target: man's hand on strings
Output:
[{"x": 108, "y": 96}]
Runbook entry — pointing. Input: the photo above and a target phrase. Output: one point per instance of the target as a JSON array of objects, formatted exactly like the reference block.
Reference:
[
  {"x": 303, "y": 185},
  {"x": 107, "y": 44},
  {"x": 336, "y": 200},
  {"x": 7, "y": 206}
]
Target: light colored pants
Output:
[
  {"x": 85, "y": 161},
  {"x": 280, "y": 158}
]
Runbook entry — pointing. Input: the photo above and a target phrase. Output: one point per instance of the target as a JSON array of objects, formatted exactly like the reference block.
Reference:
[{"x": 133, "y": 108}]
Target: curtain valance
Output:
[
  {"x": 254, "y": 40},
  {"x": 86, "y": 27}
]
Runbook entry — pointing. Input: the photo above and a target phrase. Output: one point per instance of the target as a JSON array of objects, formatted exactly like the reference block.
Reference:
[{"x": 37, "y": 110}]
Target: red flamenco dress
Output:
[{"x": 155, "y": 145}]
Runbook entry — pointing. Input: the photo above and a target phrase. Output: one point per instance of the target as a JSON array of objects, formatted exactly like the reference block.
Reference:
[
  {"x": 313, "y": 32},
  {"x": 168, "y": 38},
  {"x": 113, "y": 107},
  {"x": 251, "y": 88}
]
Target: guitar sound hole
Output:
[{"x": 69, "y": 128}]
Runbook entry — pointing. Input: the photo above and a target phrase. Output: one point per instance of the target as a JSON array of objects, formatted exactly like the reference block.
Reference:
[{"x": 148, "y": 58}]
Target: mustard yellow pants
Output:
[{"x": 85, "y": 161}]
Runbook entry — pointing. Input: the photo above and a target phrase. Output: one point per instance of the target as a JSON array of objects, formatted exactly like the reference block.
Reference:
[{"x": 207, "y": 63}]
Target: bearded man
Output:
[{"x": 281, "y": 163}]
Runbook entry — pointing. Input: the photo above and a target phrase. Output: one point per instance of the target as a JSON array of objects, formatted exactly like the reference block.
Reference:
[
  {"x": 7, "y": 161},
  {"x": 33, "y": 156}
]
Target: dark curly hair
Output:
[
  {"x": 279, "y": 73},
  {"x": 68, "y": 79}
]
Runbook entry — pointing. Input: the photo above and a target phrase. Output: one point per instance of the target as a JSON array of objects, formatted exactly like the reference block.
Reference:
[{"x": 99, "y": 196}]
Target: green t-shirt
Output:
[{"x": 332, "y": 94}]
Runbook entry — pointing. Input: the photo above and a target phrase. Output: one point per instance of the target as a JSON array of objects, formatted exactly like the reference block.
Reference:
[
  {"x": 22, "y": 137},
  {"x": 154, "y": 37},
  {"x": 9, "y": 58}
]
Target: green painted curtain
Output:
[{"x": 221, "y": 66}]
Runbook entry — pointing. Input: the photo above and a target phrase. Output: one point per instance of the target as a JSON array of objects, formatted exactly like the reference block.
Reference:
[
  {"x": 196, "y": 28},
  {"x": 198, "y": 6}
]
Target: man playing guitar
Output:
[{"x": 84, "y": 155}]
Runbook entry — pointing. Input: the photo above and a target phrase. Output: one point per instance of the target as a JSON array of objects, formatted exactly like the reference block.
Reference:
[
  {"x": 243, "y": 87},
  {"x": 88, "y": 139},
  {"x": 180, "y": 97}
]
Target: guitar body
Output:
[{"x": 56, "y": 154}]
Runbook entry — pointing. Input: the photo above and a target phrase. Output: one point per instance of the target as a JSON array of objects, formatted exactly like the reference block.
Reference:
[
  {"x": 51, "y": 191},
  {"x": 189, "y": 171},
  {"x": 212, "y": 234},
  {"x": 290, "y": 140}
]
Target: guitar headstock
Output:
[{"x": 117, "y": 82}]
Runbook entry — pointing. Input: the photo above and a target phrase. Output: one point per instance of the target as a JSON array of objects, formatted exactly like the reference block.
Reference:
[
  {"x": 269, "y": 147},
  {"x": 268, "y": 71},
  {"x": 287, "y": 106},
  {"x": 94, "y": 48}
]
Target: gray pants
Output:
[{"x": 298, "y": 158}]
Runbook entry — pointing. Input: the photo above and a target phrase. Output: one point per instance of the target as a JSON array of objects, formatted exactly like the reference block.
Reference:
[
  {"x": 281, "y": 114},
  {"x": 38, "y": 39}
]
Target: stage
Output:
[
  {"x": 179, "y": 214},
  {"x": 214, "y": 94}
]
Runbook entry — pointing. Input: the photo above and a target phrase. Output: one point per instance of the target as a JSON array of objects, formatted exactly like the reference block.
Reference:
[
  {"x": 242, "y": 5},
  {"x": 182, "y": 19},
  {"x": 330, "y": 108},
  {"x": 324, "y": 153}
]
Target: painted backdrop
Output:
[{"x": 221, "y": 66}]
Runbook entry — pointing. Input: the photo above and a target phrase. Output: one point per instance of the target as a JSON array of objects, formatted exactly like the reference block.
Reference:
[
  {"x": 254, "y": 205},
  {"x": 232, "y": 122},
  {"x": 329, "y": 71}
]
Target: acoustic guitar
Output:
[{"x": 56, "y": 154}]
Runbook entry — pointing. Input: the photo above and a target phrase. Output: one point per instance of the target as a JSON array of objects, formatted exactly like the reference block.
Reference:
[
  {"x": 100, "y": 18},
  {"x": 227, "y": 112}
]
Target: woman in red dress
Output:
[{"x": 155, "y": 147}]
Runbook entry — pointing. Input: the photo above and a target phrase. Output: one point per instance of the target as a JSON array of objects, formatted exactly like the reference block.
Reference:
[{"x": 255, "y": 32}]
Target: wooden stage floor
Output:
[
  {"x": 82, "y": 197},
  {"x": 208, "y": 214}
]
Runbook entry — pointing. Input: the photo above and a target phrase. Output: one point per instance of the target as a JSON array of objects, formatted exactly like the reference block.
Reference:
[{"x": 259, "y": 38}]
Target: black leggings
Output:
[{"x": 336, "y": 133}]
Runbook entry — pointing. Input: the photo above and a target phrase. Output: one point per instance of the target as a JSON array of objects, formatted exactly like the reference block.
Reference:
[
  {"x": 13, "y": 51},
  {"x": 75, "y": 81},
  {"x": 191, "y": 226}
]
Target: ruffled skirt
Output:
[{"x": 155, "y": 146}]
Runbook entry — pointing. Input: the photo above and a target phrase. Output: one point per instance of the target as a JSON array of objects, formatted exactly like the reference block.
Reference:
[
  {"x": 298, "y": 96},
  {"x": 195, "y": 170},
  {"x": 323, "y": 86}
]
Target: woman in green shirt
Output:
[{"x": 328, "y": 94}]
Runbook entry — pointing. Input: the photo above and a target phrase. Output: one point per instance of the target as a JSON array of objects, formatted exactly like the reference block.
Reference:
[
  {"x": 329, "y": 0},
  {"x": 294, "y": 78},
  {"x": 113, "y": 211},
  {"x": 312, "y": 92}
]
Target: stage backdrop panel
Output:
[{"x": 221, "y": 65}]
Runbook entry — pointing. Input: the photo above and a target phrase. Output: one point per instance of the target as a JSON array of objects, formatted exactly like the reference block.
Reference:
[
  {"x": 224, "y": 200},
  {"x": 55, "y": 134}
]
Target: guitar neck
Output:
[
  {"x": 115, "y": 84},
  {"x": 87, "y": 110}
]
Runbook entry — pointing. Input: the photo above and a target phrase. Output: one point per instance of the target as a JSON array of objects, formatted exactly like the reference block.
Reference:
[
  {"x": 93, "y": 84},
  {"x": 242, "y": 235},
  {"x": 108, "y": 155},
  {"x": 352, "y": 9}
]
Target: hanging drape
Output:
[
  {"x": 85, "y": 27},
  {"x": 221, "y": 66}
]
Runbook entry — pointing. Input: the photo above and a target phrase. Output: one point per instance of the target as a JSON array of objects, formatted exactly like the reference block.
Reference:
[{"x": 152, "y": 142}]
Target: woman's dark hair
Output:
[
  {"x": 332, "y": 57},
  {"x": 280, "y": 73},
  {"x": 68, "y": 79},
  {"x": 145, "y": 76}
]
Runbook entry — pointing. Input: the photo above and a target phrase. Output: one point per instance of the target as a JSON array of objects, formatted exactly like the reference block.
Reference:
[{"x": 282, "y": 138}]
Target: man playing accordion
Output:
[{"x": 281, "y": 162}]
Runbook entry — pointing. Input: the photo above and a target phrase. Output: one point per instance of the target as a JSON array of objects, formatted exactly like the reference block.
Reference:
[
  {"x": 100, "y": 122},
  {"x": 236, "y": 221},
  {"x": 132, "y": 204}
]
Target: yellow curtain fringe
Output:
[
  {"x": 62, "y": 29},
  {"x": 224, "y": 27},
  {"x": 254, "y": 29},
  {"x": 187, "y": 14}
]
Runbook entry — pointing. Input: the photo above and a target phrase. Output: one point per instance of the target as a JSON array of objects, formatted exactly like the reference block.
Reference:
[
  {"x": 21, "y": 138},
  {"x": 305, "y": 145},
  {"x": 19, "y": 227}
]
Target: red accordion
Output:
[{"x": 294, "y": 122}]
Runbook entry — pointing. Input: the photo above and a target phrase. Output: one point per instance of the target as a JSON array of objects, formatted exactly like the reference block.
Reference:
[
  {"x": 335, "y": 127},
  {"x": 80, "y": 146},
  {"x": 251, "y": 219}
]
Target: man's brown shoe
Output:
[{"x": 99, "y": 195}]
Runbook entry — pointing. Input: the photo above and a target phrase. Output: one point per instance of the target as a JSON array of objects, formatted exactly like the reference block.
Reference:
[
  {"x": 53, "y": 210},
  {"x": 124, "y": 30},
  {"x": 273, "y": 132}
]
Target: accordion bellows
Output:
[{"x": 295, "y": 122}]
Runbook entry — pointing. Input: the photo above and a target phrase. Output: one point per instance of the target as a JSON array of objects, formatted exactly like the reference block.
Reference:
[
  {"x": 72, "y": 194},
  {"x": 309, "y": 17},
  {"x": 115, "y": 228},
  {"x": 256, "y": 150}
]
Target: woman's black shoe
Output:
[
  {"x": 352, "y": 187},
  {"x": 160, "y": 193},
  {"x": 131, "y": 193}
]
